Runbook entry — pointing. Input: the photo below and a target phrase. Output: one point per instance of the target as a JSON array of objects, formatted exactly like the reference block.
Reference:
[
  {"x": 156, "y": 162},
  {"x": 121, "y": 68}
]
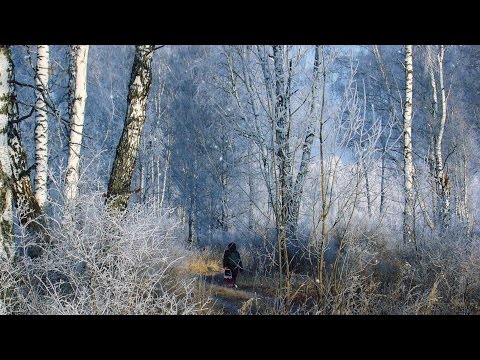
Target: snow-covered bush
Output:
[{"x": 101, "y": 263}]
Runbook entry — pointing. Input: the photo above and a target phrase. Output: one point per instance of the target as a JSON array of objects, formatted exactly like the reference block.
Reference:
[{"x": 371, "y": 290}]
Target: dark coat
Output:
[{"x": 231, "y": 260}]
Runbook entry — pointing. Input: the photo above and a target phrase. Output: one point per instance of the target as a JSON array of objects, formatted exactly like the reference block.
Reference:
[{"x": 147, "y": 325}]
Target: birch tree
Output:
[
  {"x": 25, "y": 202},
  {"x": 77, "y": 100},
  {"x": 409, "y": 210},
  {"x": 41, "y": 126},
  {"x": 14, "y": 175},
  {"x": 126, "y": 154},
  {"x": 6, "y": 111},
  {"x": 442, "y": 182}
]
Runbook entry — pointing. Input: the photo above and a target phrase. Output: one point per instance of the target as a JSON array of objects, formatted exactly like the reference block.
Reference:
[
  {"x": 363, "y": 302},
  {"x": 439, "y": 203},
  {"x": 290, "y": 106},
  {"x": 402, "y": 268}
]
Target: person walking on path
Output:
[{"x": 232, "y": 263}]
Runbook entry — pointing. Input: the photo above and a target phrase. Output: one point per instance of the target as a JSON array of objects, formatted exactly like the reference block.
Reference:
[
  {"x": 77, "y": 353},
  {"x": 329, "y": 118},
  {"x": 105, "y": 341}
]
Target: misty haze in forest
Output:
[{"x": 347, "y": 177}]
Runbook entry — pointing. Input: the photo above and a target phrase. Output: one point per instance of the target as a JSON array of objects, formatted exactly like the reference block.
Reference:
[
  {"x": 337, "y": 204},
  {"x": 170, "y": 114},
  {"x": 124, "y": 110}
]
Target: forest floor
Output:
[{"x": 235, "y": 301}]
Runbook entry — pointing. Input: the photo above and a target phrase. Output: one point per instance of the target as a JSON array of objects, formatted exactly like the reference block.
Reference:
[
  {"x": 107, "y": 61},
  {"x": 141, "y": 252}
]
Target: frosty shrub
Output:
[
  {"x": 348, "y": 286},
  {"x": 101, "y": 263},
  {"x": 444, "y": 273}
]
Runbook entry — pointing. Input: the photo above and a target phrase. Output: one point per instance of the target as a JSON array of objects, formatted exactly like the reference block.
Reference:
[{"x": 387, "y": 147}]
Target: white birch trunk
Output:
[
  {"x": 431, "y": 137},
  {"x": 127, "y": 149},
  {"x": 142, "y": 183},
  {"x": 442, "y": 177},
  {"x": 41, "y": 126},
  {"x": 77, "y": 113},
  {"x": 409, "y": 216},
  {"x": 165, "y": 172},
  {"x": 6, "y": 211}
]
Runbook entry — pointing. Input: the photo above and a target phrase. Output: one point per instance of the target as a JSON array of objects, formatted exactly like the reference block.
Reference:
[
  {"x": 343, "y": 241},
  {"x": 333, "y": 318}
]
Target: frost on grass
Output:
[{"x": 101, "y": 263}]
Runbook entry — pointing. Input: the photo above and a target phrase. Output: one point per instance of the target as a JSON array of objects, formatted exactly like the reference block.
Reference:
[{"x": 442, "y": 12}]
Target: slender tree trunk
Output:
[
  {"x": 152, "y": 177},
  {"x": 166, "y": 171},
  {"x": 324, "y": 214},
  {"x": 126, "y": 155},
  {"x": 77, "y": 112},
  {"x": 158, "y": 181},
  {"x": 165, "y": 177},
  {"x": 307, "y": 148},
  {"x": 409, "y": 216},
  {"x": 382, "y": 185},
  {"x": 323, "y": 187},
  {"x": 192, "y": 221},
  {"x": 466, "y": 213},
  {"x": 142, "y": 183},
  {"x": 391, "y": 109},
  {"x": 224, "y": 215},
  {"x": 6, "y": 114},
  {"x": 367, "y": 189},
  {"x": 41, "y": 126},
  {"x": 283, "y": 155},
  {"x": 251, "y": 191},
  {"x": 465, "y": 186}
]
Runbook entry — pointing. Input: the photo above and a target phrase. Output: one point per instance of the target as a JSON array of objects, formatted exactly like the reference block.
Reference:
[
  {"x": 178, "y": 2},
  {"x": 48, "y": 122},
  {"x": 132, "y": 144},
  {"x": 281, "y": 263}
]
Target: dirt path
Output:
[{"x": 234, "y": 301}]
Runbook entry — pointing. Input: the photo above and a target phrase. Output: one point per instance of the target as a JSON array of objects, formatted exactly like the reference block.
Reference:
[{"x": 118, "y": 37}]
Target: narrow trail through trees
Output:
[{"x": 234, "y": 301}]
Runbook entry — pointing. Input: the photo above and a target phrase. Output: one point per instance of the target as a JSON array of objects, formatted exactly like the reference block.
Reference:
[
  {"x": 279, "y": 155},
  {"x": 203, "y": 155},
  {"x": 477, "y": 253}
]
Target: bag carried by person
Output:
[{"x": 228, "y": 278}]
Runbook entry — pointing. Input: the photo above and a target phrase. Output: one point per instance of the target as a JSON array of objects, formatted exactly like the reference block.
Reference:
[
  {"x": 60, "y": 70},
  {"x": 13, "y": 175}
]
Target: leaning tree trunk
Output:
[
  {"x": 126, "y": 155},
  {"x": 6, "y": 111},
  {"x": 409, "y": 216},
  {"x": 14, "y": 176},
  {"x": 23, "y": 195},
  {"x": 27, "y": 206},
  {"x": 41, "y": 126},
  {"x": 78, "y": 98}
]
